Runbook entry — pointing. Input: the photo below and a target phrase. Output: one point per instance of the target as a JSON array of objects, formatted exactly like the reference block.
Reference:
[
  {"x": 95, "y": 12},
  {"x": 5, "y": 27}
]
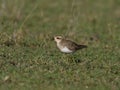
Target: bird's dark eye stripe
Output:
[{"x": 58, "y": 38}]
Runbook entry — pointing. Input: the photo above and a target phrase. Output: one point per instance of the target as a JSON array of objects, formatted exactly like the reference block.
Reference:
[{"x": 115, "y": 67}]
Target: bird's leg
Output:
[
  {"x": 70, "y": 57},
  {"x": 73, "y": 58},
  {"x": 77, "y": 58}
]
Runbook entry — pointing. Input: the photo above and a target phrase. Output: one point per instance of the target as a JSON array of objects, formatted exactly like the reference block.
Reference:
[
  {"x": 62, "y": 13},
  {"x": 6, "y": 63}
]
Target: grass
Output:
[{"x": 30, "y": 60}]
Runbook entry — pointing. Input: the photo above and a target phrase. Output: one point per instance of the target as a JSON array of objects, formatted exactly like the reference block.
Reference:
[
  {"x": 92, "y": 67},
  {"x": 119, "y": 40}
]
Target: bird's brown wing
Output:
[
  {"x": 70, "y": 44},
  {"x": 73, "y": 46}
]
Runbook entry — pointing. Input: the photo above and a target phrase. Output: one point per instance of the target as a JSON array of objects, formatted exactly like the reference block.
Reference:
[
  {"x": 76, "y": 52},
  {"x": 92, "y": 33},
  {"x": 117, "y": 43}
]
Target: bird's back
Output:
[{"x": 72, "y": 45}]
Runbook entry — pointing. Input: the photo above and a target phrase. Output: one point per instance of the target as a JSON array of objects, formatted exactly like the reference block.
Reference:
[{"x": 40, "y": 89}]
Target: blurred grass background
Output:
[{"x": 30, "y": 60}]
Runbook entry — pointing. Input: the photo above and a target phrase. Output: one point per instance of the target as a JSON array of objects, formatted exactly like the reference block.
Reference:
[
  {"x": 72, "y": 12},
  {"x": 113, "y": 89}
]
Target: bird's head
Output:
[{"x": 58, "y": 38}]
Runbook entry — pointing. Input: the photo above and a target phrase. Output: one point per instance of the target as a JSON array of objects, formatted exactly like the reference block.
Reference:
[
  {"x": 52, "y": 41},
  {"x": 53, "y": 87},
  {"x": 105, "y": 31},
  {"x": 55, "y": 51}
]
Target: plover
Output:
[{"x": 67, "y": 46}]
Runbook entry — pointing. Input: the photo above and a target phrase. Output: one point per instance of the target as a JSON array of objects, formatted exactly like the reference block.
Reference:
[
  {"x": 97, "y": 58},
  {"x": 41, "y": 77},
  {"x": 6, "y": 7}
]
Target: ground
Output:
[{"x": 29, "y": 58}]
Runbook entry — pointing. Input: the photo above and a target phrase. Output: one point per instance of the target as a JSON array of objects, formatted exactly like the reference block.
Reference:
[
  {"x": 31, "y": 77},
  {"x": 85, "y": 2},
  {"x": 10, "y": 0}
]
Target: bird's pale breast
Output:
[{"x": 65, "y": 50}]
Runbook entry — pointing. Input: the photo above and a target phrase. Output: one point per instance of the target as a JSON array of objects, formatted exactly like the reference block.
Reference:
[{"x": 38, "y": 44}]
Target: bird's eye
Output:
[{"x": 57, "y": 38}]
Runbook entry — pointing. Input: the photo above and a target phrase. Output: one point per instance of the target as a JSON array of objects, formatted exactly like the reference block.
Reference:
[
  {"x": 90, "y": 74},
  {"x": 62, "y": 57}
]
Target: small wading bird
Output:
[{"x": 67, "y": 46}]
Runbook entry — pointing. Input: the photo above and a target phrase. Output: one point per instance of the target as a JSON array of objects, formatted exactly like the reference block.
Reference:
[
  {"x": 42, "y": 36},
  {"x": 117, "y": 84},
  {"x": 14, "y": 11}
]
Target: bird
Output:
[{"x": 67, "y": 46}]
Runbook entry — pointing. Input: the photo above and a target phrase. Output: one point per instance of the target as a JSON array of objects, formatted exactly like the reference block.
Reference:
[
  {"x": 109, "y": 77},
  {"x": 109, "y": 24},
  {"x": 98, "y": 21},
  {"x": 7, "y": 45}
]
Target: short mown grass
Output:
[{"x": 29, "y": 58}]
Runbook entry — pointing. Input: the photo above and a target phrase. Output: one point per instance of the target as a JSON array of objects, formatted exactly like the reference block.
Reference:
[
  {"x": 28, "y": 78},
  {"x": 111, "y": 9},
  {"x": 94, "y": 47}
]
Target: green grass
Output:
[{"x": 29, "y": 58}]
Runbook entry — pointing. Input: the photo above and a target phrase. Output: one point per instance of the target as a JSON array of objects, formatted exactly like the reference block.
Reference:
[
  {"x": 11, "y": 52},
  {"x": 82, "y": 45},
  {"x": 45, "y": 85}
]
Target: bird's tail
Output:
[{"x": 82, "y": 46}]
